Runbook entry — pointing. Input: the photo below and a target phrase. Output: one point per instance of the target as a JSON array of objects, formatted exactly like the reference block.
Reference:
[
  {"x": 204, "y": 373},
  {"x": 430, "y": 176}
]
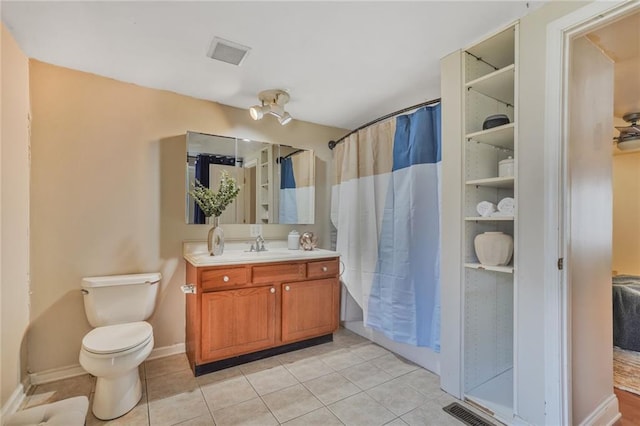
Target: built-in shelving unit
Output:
[
  {"x": 490, "y": 72},
  {"x": 264, "y": 200}
]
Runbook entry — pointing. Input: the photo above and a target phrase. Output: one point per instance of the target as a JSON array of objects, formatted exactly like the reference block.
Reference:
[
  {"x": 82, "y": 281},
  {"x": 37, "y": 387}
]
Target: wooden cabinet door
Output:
[
  {"x": 309, "y": 309},
  {"x": 235, "y": 322}
]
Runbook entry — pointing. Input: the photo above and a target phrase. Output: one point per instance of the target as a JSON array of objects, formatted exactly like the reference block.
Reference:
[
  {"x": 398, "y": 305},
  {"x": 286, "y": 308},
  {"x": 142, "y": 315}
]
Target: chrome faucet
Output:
[{"x": 260, "y": 244}]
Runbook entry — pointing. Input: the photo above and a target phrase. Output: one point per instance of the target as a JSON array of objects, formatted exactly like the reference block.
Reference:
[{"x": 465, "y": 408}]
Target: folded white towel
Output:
[
  {"x": 507, "y": 205},
  {"x": 485, "y": 208}
]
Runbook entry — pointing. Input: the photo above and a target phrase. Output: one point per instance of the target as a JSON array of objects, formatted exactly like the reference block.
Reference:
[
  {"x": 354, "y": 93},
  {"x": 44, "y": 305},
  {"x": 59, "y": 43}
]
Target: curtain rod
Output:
[
  {"x": 297, "y": 151},
  {"x": 332, "y": 144}
]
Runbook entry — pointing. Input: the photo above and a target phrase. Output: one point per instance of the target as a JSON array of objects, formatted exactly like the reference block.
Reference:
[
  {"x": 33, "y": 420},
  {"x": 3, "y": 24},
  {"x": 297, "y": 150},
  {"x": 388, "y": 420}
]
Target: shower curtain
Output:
[
  {"x": 386, "y": 209},
  {"x": 297, "y": 188},
  {"x": 288, "y": 205}
]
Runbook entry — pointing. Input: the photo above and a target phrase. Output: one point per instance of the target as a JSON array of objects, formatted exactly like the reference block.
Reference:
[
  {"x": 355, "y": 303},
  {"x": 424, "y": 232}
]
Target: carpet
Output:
[{"x": 626, "y": 370}]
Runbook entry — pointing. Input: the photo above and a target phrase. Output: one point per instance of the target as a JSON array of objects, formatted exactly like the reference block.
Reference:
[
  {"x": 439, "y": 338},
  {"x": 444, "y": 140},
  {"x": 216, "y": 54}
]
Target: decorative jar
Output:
[
  {"x": 293, "y": 240},
  {"x": 215, "y": 239},
  {"x": 505, "y": 167},
  {"x": 493, "y": 248}
]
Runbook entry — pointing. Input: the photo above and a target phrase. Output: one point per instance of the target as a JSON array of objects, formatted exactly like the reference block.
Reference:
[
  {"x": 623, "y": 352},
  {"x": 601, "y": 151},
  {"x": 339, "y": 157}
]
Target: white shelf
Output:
[
  {"x": 489, "y": 219},
  {"x": 497, "y": 85},
  {"x": 494, "y": 182},
  {"x": 497, "y": 50},
  {"x": 501, "y": 136},
  {"x": 506, "y": 269},
  {"x": 495, "y": 395}
]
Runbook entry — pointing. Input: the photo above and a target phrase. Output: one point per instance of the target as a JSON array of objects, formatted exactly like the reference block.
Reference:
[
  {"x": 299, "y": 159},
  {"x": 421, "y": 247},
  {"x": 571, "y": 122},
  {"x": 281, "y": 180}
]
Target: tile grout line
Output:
[{"x": 206, "y": 403}]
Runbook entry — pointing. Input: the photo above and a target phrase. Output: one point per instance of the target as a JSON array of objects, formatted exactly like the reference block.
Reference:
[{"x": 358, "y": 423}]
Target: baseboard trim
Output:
[
  {"x": 76, "y": 370},
  {"x": 12, "y": 404},
  {"x": 607, "y": 413},
  {"x": 54, "y": 374},
  {"x": 167, "y": 351}
]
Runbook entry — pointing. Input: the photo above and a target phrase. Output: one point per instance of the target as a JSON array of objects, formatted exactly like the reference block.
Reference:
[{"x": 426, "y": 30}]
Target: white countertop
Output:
[{"x": 237, "y": 253}]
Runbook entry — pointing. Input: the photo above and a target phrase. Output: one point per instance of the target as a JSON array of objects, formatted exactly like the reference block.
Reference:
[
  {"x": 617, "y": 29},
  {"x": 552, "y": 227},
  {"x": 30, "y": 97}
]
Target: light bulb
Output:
[
  {"x": 256, "y": 112},
  {"x": 285, "y": 119},
  {"x": 629, "y": 144}
]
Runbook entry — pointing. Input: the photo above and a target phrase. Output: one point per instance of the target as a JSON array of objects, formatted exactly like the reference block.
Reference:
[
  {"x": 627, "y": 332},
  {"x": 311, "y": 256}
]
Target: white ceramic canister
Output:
[
  {"x": 505, "y": 167},
  {"x": 293, "y": 241},
  {"x": 493, "y": 248}
]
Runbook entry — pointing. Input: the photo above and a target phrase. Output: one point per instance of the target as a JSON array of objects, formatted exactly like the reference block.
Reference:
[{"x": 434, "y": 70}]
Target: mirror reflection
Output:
[{"x": 277, "y": 182}]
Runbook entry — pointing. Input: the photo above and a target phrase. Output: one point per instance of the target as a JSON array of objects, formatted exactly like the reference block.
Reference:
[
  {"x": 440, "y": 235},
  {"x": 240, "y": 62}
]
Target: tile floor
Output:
[{"x": 349, "y": 381}]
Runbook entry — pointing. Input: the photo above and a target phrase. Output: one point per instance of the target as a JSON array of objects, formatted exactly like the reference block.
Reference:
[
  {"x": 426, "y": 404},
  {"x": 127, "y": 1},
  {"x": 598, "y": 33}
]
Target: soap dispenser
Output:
[{"x": 293, "y": 242}]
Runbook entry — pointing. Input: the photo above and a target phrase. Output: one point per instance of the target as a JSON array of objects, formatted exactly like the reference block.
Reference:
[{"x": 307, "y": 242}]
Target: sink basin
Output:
[
  {"x": 261, "y": 254},
  {"x": 238, "y": 255}
]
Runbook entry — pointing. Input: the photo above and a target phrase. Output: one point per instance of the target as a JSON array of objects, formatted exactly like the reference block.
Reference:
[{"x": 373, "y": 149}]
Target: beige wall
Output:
[
  {"x": 108, "y": 195},
  {"x": 626, "y": 214},
  {"x": 590, "y": 209},
  {"x": 14, "y": 214}
]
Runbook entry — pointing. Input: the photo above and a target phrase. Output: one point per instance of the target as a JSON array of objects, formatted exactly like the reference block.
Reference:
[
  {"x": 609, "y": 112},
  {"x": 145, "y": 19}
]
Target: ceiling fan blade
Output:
[{"x": 629, "y": 129}]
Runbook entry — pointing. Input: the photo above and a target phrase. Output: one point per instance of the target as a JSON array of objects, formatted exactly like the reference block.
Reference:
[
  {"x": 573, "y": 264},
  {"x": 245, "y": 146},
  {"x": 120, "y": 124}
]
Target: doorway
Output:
[
  {"x": 579, "y": 148},
  {"x": 620, "y": 43}
]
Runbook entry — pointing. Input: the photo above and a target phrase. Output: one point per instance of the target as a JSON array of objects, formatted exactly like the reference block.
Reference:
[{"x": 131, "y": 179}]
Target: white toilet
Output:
[{"x": 117, "y": 306}]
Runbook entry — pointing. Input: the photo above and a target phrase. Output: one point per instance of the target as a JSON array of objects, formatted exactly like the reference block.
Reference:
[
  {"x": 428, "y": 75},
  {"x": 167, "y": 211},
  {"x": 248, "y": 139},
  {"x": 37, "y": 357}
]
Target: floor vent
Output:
[{"x": 466, "y": 416}]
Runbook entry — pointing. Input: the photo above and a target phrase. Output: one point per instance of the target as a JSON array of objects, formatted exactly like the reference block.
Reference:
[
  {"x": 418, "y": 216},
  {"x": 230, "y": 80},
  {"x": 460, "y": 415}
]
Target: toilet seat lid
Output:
[{"x": 117, "y": 338}]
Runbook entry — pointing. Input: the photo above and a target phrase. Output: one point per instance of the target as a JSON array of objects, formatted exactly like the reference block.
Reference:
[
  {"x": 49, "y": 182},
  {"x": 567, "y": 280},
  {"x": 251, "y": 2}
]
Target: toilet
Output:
[{"x": 117, "y": 306}]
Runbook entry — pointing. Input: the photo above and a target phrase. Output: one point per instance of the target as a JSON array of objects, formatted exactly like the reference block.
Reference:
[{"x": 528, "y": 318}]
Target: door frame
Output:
[{"x": 557, "y": 286}]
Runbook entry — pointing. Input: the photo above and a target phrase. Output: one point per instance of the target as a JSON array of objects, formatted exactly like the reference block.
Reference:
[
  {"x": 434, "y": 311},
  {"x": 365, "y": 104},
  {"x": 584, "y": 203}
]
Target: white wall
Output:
[
  {"x": 451, "y": 259},
  {"x": 530, "y": 307},
  {"x": 626, "y": 214},
  {"x": 14, "y": 217},
  {"x": 107, "y": 195}
]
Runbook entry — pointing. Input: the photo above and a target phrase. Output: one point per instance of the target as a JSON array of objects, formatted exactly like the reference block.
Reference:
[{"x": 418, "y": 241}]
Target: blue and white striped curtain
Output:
[
  {"x": 288, "y": 204},
  {"x": 386, "y": 208},
  {"x": 297, "y": 188}
]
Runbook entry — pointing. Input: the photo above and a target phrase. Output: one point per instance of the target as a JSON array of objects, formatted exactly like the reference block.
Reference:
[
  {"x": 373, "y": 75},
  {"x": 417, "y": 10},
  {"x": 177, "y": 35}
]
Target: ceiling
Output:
[
  {"x": 343, "y": 63},
  {"x": 621, "y": 42}
]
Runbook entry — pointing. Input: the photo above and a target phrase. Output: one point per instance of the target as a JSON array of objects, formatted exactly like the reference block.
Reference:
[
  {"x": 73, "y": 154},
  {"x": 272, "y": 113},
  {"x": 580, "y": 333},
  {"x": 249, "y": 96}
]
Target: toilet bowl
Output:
[
  {"x": 121, "y": 340},
  {"x": 113, "y": 353}
]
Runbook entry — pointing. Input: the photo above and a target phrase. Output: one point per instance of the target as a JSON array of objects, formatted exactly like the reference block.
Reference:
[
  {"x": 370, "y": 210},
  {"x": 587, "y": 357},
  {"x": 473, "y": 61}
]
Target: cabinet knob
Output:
[
  {"x": 225, "y": 279},
  {"x": 287, "y": 288},
  {"x": 272, "y": 290},
  {"x": 325, "y": 269}
]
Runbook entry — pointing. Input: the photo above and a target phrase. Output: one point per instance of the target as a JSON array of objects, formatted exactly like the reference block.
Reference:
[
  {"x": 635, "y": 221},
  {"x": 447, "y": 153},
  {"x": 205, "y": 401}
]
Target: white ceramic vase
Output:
[
  {"x": 215, "y": 238},
  {"x": 494, "y": 248}
]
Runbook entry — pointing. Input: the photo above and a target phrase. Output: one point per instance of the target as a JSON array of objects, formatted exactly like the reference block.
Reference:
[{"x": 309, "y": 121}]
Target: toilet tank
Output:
[{"x": 117, "y": 299}]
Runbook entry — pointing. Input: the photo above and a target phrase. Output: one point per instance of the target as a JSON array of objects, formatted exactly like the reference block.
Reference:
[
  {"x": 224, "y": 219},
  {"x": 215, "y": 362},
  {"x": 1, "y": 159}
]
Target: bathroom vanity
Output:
[{"x": 243, "y": 306}]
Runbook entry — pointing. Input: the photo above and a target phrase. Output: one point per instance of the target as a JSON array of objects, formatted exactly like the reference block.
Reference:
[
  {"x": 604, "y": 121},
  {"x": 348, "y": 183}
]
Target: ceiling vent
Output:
[{"x": 228, "y": 51}]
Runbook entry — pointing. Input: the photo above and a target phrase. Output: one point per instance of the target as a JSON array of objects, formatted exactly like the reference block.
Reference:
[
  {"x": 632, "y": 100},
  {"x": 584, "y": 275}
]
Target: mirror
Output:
[{"x": 277, "y": 182}]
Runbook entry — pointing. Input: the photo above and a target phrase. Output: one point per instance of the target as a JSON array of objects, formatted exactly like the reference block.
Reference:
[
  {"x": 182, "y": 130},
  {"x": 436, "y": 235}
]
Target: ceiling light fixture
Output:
[
  {"x": 629, "y": 139},
  {"x": 273, "y": 101}
]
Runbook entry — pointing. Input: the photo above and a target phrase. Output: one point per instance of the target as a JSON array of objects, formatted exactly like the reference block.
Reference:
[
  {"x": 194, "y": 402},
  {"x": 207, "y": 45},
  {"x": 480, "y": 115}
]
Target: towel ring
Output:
[{"x": 344, "y": 268}]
